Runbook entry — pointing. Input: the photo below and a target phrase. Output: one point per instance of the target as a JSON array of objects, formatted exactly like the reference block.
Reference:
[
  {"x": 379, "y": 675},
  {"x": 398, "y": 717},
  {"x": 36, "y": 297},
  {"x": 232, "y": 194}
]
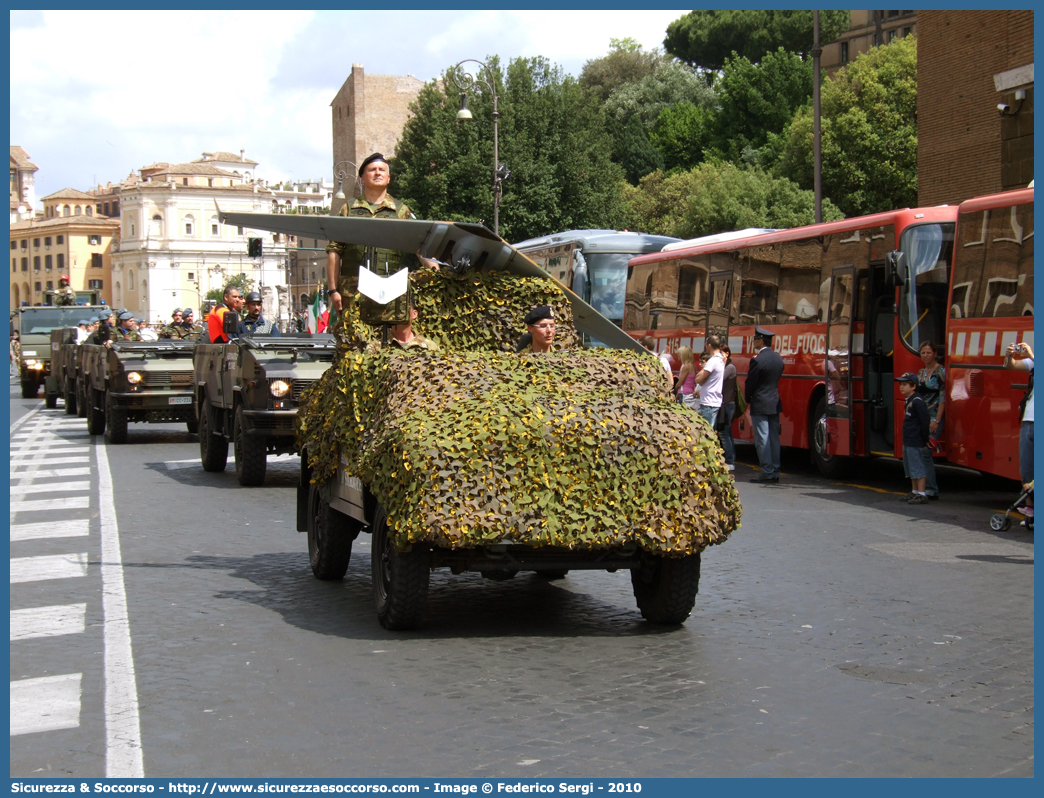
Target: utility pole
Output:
[{"x": 817, "y": 152}]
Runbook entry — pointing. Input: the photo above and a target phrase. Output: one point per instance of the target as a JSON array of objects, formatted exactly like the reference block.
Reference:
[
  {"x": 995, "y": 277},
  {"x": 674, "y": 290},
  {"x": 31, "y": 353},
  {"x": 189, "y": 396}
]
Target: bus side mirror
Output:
[
  {"x": 230, "y": 324},
  {"x": 896, "y": 267}
]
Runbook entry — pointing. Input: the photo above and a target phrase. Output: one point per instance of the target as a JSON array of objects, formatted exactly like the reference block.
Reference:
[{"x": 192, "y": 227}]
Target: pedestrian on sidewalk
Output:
[
  {"x": 931, "y": 386},
  {"x": 1019, "y": 357},
  {"x": 728, "y": 408},
  {"x": 916, "y": 433}
]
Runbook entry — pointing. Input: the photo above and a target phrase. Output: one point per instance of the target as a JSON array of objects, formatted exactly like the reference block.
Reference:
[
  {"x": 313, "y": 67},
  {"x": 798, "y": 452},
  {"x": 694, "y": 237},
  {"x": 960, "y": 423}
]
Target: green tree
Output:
[
  {"x": 869, "y": 133},
  {"x": 681, "y": 133},
  {"x": 637, "y": 156},
  {"x": 552, "y": 137},
  {"x": 707, "y": 38},
  {"x": 718, "y": 198},
  {"x": 672, "y": 82},
  {"x": 240, "y": 281},
  {"x": 626, "y": 62},
  {"x": 756, "y": 100}
]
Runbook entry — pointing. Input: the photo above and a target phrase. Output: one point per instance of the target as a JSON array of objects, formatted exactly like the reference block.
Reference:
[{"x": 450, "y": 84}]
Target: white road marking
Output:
[
  {"x": 123, "y": 757},
  {"x": 24, "y": 419},
  {"x": 27, "y": 455},
  {"x": 49, "y": 487},
  {"x": 51, "y": 473},
  {"x": 48, "y": 566},
  {"x": 57, "y": 529},
  {"x": 62, "y": 435},
  {"x": 62, "y": 619},
  {"x": 45, "y": 704},
  {"x": 31, "y": 446},
  {"x": 75, "y": 503}
]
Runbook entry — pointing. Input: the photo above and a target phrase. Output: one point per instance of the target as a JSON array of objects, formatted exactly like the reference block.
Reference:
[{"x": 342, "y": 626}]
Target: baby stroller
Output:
[{"x": 1002, "y": 521}]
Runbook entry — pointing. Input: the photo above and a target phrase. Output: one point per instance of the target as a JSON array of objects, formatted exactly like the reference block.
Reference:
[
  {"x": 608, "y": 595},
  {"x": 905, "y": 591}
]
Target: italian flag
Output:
[{"x": 315, "y": 312}]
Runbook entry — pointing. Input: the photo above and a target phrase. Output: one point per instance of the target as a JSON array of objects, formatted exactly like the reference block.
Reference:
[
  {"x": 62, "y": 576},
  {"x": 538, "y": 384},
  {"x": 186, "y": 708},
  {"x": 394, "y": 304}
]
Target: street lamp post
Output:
[{"x": 464, "y": 81}]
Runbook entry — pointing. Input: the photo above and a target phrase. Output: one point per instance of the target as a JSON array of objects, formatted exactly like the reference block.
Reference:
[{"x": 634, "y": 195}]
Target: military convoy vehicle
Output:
[
  {"x": 34, "y": 326},
  {"x": 148, "y": 381},
  {"x": 61, "y": 382},
  {"x": 474, "y": 458},
  {"x": 247, "y": 392}
]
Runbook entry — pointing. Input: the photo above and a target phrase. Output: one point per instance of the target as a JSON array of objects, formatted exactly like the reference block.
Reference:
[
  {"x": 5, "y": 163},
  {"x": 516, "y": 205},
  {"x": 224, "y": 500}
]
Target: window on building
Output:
[
  {"x": 48, "y": 265},
  {"x": 61, "y": 261},
  {"x": 844, "y": 52},
  {"x": 130, "y": 279},
  {"x": 96, "y": 260},
  {"x": 98, "y": 208},
  {"x": 47, "y": 241},
  {"x": 192, "y": 275},
  {"x": 239, "y": 232},
  {"x": 14, "y": 264},
  {"x": 95, "y": 240},
  {"x": 184, "y": 182},
  {"x": 97, "y": 284},
  {"x": 37, "y": 287},
  {"x": 189, "y": 221},
  {"x": 36, "y": 243},
  {"x": 61, "y": 239},
  {"x": 90, "y": 211},
  {"x": 66, "y": 211},
  {"x": 210, "y": 182},
  {"x": 25, "y": 264},
  {"x": 14, "y": 246},
  {"x": 892, "y": 34},
  {"x": 25, "y": 244},
  {"x": 214, "y": 229},
  {"x": 36, "y": 263},
  {"x": 106, "y": 209},
  {"x": 78, "y": 211},
  {"x": 50, "y": 285},
  {"x": 907, "y": 31},
  {"x": 115, "y": 208}
]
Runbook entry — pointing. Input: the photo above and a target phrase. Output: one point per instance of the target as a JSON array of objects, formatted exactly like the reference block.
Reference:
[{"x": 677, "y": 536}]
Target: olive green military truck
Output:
[
  {"x": 474, "y": 458},
  {"x": 34, "y": 327},
  {"x": 61, "y": 382},
  {"x": 148, "y": 381},
  {"x": 247, "y": 392}
]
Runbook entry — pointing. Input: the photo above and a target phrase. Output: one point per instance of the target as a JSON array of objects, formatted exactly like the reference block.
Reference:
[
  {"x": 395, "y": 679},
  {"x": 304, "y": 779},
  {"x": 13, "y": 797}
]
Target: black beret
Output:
[
  {"x": 538, "y": 313},
  {"x": 375, "y": 157}
]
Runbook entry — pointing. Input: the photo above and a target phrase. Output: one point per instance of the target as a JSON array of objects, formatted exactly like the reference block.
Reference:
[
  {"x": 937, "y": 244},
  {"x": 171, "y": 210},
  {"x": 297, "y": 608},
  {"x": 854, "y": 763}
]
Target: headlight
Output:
[
  {"x": 133, "y": 377},
  {"x": 279, "y": 387}
]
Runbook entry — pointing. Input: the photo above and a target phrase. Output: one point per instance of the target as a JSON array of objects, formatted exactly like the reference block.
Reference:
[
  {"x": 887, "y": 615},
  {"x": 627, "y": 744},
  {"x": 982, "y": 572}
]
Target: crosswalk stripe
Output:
[
  {"x": 46, "y": 703},
  {"x": 49, "y": 487},
  {"x": 32, "y": 445},
  {"x": 59, "y": 529},
  {"x": 48, "y": 566},
  {"x": 35, "y": 462},
  {"x": 51, "y": 473},
  {"x": 61, "y": 619},
  {"x": 26, "y": 455},
  {"x": 36, "y": 505},
  {"x": 62, "y": 435}
]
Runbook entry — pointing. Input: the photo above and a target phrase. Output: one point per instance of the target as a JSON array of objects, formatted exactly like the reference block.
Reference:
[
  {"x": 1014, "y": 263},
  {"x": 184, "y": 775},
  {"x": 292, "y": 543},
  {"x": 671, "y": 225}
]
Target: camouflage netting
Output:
[{"x": 581, "y": 449}]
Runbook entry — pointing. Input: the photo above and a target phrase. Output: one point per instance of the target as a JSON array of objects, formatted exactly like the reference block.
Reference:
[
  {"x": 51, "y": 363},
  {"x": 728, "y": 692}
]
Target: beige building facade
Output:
[
  {"x": 866, "y": 29},
  {"x": 78, "y": 246},
  {"x": 23, "y": 185},
  {"x": 368, "y": 115}
]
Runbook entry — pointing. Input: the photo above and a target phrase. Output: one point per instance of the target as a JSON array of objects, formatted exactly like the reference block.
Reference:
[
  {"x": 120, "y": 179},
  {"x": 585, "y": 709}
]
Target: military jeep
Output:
[
  {"x": 34, "y": 326},
  {"x": 247, "y": 391},
  {"x": 148, "y": 381},
  {"x": 62, "y": 379}
]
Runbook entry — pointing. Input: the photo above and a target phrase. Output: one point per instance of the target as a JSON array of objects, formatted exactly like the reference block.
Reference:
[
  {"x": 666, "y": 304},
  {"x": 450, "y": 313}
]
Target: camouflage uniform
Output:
[
  {"x": 120, "y": 334},
  {"x": 104, "y": 333},
  {"x": 64, "y": 296},
  {"x": 416, "y": 342}
]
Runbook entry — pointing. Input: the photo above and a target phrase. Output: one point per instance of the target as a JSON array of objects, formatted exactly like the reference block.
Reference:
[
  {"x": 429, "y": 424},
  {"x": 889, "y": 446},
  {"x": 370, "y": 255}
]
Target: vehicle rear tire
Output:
[
  {"x": 193, "y": 426},
  {"x": 330, "y": 536},
  {"x": 830, "y": 465},
  {"x": 70, "y": 400},
  {"x": 250, "y": 453},
  {"x": 115, "y": 421},
  {"x": 400, "y": 579},
  {"x": 81, "y": 400},
  {"x": 666, "y": 587},
  {"x": 96, "y": 412},
  {"x": 30, "y": 388},
  {"x": 213, "y": 448}
]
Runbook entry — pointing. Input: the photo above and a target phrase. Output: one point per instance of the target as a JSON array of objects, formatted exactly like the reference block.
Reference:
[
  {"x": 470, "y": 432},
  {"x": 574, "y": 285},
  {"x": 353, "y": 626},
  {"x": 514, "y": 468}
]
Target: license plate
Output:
[{"x": 180, "y": 400}]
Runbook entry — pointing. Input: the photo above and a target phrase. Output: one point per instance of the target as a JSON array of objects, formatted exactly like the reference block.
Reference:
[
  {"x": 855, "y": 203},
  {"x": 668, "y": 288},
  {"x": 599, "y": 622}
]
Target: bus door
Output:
[
  {"x": 719, "y": 306},
  {"x": 839, "y": 363},
  {"x": 879, "y": 348}
]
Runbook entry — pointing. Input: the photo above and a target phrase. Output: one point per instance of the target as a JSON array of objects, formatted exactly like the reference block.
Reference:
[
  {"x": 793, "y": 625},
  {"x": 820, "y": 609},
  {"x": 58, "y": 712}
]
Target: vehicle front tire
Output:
[
  {"x": 213, "y": 448},
  {"x": 666, "y": 587},
  {"x": 81, "y": 400},
  {"x": 115, "y": 421},
  {"x": 330, "y": 536},
  {"x": 400, "y": 579},
  {"x": 250, "y": 454},
  {"x": 96, "y": 412},
  {"x": 833, "y": 466}
]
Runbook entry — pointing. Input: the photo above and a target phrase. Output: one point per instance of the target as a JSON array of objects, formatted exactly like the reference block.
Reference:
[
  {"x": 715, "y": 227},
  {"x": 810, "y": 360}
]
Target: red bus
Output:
[{"x": 849, "y": 316}]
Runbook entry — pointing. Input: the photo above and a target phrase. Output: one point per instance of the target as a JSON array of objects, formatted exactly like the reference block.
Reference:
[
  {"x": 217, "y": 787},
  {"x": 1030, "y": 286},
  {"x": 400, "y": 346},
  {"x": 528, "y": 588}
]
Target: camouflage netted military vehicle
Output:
[{"x": 475, "y": 458}]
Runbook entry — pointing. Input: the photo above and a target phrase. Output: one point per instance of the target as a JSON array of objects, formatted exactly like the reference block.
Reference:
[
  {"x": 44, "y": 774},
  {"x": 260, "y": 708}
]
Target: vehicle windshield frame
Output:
[
  {"x": 66, "y": 316},
  {"x": 923, "y": 297}
]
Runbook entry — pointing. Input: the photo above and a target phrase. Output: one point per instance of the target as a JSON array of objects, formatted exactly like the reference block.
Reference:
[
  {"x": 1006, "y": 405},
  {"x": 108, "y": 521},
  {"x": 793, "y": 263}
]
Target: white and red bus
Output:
[{"x": 849, "y": 316}]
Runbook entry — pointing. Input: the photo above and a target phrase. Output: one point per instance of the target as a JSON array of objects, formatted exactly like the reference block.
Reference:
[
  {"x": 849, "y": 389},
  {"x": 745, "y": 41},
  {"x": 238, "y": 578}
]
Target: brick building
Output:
[
  {"x": 368, "y": 115},
  {"x": 969, "y": 63}
]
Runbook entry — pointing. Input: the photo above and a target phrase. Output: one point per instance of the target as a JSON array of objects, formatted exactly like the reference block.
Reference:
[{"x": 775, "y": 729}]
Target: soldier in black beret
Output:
[
  {"x": 540, "y": 322},
  {"x": 343, "y": 260}
]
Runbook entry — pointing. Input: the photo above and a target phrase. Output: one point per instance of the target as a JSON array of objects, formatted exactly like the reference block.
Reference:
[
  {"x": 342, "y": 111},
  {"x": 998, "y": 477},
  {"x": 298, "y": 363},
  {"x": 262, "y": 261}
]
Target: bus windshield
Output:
[
  {"x": 37, "y": 321},
  {"x": 922, "y": 305},
  {"x": 607, "y": 278}
]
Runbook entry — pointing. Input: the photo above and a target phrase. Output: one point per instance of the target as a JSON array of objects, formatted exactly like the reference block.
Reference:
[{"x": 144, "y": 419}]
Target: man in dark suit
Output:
[{"x": 761, "y": 391}]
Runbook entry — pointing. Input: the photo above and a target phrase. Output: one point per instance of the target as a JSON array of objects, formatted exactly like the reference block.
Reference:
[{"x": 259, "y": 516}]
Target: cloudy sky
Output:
[{"x": 96, "y": 95}]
